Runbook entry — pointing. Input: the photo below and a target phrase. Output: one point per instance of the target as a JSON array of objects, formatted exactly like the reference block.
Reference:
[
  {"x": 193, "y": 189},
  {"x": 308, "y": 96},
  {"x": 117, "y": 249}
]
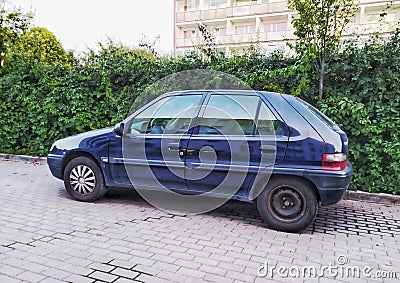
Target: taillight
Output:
[{"x": 334, "y": 161}]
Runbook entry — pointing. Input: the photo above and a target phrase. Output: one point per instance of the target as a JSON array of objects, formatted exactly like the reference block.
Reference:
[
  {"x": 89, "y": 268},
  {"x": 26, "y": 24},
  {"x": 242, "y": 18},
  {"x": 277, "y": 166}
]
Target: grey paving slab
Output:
[{"x": 48, "y": 237}]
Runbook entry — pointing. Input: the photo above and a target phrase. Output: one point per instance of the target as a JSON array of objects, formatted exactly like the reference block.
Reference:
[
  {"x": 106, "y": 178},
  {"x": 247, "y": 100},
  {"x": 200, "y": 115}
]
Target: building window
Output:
[
  {"x": 180, "y": 5},
  {"x": 220, "y": 31},
  {"x": 271, "y": 27},
  {"x": 190, "y": 33},
  {"x": 213, "y": 4},
  {"x": 245, "y": 2},
  {"x": 245, "y": 29},
  {"x": 187, "y": 5}
]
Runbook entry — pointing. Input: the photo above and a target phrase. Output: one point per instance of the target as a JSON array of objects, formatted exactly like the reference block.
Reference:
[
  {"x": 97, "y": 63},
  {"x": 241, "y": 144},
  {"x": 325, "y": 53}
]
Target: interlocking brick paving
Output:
[
  {"x": 346, "y": 217},
  {"x": 48, "y": 237}
]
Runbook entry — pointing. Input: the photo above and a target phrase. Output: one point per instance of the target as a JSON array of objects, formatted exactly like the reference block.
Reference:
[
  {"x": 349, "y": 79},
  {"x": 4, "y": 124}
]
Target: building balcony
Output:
[
  {"x": 277, "y": 35},
  {"x": 245, "y": 38},
  {"x": 229, "y": 12},
  {"x": 238, "y": 39},
  {"x": 374, "y": 2},
  {"x": 219, "y": 40},
  {"x": 370, "y": 28},
  {"x": 188, "y": 42}
]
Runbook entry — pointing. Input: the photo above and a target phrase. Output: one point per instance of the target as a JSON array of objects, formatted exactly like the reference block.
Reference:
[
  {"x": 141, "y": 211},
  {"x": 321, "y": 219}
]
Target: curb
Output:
[
  {"x": 349, "y": 195},
  {"x": 372, "y": 197},
  {"x": 23, "y": 158}
]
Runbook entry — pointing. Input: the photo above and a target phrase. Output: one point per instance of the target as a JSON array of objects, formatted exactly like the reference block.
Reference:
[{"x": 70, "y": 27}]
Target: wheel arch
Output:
[
  {"x": 78, "y": 153},
  {"x": 260, "y": 185}
]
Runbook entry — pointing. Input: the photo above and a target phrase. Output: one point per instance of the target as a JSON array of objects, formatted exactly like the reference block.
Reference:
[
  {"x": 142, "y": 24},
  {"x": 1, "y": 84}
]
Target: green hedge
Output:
[{"x": 41, "y": 103}]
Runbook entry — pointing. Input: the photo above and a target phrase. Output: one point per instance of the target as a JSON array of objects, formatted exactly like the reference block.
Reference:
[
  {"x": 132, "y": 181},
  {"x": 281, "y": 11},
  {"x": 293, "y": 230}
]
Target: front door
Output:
[{"x": 152, "y": 144}]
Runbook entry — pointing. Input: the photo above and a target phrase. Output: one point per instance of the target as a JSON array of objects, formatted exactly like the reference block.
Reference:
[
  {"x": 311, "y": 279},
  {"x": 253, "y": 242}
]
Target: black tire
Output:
[
  {"x": 288, "y": 204},
  {"x": 84, "y": 180}
]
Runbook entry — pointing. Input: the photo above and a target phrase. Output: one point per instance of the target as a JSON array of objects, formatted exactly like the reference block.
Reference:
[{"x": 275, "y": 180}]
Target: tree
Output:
[
  {"x": 13, "y": 24},
  {"x": 150, "y": 45},
  {"x": 319, "y": 28},
  {"x": 39, "y": 45}
]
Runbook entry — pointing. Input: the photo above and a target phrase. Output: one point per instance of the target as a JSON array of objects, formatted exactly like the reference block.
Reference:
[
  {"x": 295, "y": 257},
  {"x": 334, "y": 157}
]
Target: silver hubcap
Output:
[{"x": 82, "y": 179}]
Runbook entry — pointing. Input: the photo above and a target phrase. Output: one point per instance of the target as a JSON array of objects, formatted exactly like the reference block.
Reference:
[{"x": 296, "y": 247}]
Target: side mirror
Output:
[{"x": 119, "y": 129}]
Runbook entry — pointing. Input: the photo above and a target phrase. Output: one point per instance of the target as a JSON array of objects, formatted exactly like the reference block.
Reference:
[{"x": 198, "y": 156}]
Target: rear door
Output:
[{"x": 234, "y": 138}]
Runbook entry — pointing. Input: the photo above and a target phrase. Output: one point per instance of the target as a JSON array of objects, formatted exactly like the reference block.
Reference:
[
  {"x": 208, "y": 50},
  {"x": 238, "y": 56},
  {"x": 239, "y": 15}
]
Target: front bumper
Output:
[
  {"x": 331, "y": 184},
  {"x": 55, "y": 165}
]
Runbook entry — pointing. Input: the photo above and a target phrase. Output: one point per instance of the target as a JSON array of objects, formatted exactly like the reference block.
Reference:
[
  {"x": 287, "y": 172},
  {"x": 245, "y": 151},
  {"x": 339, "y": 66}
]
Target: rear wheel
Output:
[
  {"x": 84, "y": 180},
  {"x": 288, "y": 204}
]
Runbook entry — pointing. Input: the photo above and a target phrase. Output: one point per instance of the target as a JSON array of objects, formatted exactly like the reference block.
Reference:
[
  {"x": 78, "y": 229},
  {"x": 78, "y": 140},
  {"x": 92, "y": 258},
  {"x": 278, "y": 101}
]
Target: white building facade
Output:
[{"x": 238, "y": 24}]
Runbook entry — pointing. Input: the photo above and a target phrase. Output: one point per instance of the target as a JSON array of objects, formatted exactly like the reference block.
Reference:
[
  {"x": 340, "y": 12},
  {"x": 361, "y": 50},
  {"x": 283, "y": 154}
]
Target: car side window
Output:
[
  {"x": 267, "y": 124},
  {"x": 229, "y": 115},
  {"x": 170, "y": 115}
]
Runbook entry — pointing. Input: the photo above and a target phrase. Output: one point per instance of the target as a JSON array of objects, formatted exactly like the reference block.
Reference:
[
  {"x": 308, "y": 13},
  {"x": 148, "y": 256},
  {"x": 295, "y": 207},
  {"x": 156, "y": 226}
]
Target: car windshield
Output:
[{"x": 321, "y": 116}]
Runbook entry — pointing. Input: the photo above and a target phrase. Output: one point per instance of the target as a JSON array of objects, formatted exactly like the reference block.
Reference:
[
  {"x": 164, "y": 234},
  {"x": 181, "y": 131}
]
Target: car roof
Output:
[{"x": 223, "y": 91}]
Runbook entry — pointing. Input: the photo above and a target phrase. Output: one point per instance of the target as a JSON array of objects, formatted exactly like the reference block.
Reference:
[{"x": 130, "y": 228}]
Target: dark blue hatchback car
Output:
[{"x": 251, "y": 146}]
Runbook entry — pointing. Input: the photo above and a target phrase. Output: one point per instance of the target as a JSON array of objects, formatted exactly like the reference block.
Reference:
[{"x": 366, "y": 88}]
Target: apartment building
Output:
[{"x": 238, "y": 24}]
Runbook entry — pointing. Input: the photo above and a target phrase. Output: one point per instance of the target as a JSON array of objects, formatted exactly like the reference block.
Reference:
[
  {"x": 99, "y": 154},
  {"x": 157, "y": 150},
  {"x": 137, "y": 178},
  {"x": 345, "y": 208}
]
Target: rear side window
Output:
[
  {"x": 238, "y": 115},
  {"x": 321, "y": 116},
  {"x": 267, "y": 124},
  {"x": 229, "y": 115}
]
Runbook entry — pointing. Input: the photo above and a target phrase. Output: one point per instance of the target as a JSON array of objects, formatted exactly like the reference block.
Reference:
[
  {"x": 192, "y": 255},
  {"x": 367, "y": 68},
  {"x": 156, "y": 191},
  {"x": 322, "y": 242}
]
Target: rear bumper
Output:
[
  {"x": 54, "y": 162},
  {"x": 331, "y": 184}
]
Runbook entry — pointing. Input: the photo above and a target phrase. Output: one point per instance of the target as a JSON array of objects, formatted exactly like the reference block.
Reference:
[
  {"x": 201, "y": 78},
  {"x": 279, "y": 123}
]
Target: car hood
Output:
[{"x": 77, "y": 141}]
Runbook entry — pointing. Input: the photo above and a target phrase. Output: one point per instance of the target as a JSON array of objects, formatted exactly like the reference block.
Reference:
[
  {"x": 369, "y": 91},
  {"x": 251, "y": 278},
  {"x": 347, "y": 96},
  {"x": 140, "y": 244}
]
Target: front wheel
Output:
[
  {"x": 288, "y": 204},
  {"x": 83, "y": 180}
]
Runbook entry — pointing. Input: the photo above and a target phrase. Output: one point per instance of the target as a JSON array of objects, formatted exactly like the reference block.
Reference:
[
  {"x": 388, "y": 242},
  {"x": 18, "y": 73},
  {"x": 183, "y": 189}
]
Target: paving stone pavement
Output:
[{"x": 48, "y": 237}]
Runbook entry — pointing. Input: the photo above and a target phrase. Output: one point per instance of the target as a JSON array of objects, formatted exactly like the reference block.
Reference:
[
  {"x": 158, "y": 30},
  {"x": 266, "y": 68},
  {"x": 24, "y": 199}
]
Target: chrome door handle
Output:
[
  {"x": 188, "y": 151},
  {"x": 268, "y": 149},
  {"x": 173, "y": 146}
]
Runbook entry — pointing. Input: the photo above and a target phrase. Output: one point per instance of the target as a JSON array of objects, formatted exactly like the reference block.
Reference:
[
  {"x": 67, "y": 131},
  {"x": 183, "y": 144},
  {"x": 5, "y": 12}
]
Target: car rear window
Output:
[{"x": 321, "y": 116}]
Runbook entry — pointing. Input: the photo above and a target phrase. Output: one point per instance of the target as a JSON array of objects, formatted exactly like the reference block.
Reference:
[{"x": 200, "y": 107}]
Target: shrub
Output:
[{"x": 42, "y": 101}]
